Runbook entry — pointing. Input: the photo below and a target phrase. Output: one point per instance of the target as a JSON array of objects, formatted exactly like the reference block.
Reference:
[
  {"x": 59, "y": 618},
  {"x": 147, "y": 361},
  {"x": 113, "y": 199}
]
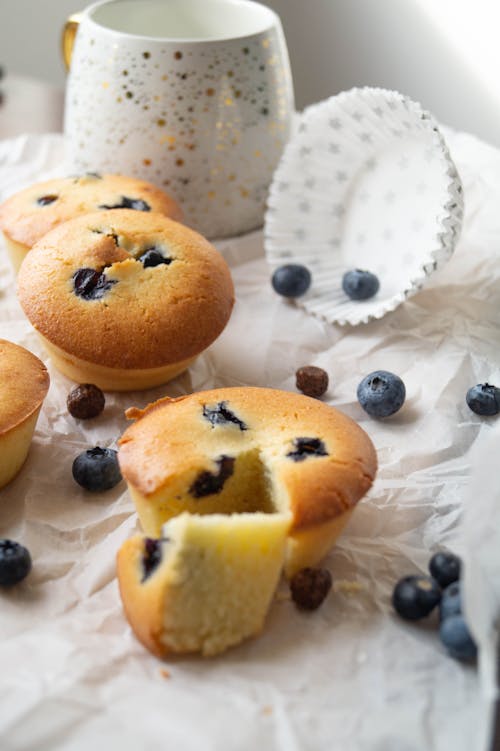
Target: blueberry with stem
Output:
[
  {"x": 97, "y": 469},
  {"x": 484, "y": 399},
  {"x": 381, "y": 393}
]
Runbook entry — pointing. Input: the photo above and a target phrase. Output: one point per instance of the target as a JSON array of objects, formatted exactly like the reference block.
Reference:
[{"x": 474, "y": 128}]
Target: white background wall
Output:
[{"x": 443, "y": 53}]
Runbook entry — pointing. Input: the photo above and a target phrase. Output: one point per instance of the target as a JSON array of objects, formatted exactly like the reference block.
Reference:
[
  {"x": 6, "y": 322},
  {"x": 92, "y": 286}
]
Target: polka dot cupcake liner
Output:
[{"x": 366, "y": 182}]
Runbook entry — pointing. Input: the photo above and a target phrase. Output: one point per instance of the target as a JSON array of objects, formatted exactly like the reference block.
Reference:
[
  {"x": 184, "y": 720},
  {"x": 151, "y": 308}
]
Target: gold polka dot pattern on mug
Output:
[{"x": 207, "y": 121}]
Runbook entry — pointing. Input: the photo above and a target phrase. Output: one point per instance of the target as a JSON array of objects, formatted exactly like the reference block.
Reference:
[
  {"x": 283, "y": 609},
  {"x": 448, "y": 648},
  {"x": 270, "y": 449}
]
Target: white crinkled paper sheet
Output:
[{"x": 349, "y": 676}]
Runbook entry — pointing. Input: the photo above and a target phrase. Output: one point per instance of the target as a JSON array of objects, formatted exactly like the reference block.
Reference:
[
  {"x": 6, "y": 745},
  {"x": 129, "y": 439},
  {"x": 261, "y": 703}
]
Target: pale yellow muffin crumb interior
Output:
[{"x": 215, "y": 581}]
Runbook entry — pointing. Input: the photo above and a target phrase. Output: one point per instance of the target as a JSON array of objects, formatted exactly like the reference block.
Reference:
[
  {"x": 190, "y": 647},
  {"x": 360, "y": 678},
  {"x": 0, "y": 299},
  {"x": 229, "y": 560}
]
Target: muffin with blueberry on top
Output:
[
  {"x": 125, "y": 299},
  {"x": 29, "y": 214}
]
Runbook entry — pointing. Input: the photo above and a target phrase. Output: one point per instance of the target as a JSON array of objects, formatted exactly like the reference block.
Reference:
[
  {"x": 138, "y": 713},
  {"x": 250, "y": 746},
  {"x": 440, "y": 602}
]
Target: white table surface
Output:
[{"x": 350, "y": 676}]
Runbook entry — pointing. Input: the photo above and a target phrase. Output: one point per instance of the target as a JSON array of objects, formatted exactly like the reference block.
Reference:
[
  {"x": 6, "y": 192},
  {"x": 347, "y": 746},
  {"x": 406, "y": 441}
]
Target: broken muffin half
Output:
[{"x": 232, "y": 487}]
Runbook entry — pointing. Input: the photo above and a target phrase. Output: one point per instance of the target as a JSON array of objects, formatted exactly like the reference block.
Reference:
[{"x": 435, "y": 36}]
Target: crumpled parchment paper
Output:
[{"x": 349, "y": 676}]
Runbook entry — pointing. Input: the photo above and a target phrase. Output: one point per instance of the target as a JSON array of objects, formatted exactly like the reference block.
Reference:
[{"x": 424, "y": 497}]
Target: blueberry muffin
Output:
[
  {"x": 125, "y": 299},
  {"x": 29, "y": 214},
  {"x": 24, "y": 383},
  {"x": 280, "y": 472},
  {"x": 206, "y": 584}
]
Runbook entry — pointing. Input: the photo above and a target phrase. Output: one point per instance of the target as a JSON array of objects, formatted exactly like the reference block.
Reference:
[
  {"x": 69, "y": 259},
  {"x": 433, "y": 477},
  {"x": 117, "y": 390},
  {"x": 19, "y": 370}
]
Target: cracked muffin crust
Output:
[{"x": 248, "y": 449}]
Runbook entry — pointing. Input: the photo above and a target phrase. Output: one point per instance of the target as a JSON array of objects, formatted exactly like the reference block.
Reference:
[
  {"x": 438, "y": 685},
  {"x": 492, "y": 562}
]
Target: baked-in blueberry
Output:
[
  {"x": 451, "y": 601},
  {"x": 305, "y": 447},
  {"x": 46, "y": 200},
  {"x": 414, "y": 597},
  {"x": 128, "y": 203},
  {"x": 97, "y": 469},
  {"x": 456, "y": 637},
  {"x": 359, "y": 284},
  {"x": 220, "y": 414},
  {"x": 484, "y": 399},
  {"x": 210, "y": 483},
  {"x": 153, "y": 257},
  {"x": 445, "y": 568},
  {"x": 381, "y": 393},
  {"x": 151, "y": 558},
  {"x": 91, "y": 284},
  {"x": 15, "y": 563},
  {"x": 291, "y": 280}
]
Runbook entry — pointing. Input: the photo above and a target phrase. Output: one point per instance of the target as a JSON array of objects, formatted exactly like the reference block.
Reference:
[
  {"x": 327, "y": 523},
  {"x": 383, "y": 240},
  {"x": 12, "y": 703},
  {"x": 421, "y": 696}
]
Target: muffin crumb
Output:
[{"x": 348, "y": 587}]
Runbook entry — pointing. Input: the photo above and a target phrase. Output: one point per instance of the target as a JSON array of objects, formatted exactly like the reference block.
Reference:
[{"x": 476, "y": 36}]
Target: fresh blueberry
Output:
[
  {"x": 415, "y": 596},
  {"x": 445, "y": 568},
  {"x": 15, "y": 563},
  {"x": 451, "y": 601},
  {"x": 97, "y": 469},
  {"x": 381, "y": 393},
  {"x": 457, "y": 639},
  {"x": 359, "y": 284},
  {"x": 484, "y": 399},
  {"x": 291, "y": 280}
]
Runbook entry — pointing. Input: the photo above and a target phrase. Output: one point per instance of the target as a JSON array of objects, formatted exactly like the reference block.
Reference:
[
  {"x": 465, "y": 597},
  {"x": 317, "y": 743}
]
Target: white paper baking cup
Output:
[{"x": 366, "y": 182}]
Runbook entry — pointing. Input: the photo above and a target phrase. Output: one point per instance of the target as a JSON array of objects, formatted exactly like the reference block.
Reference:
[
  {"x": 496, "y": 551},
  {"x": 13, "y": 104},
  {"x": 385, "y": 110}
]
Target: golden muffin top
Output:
[
  {"x": 126, "y": 289},
  {"x": 322, "y": 458},
  {"x": 24, "y": 383},
  {"x": 29, "y": 214}
]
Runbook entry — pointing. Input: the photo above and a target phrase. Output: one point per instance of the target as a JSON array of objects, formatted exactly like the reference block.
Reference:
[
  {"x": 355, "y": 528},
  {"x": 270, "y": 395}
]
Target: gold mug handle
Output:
[{"x": 68, "y": 37}]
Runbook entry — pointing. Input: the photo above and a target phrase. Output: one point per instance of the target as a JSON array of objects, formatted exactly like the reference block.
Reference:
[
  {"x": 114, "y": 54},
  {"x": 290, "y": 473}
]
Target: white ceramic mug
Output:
[{"x": 193, "y": 95}]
